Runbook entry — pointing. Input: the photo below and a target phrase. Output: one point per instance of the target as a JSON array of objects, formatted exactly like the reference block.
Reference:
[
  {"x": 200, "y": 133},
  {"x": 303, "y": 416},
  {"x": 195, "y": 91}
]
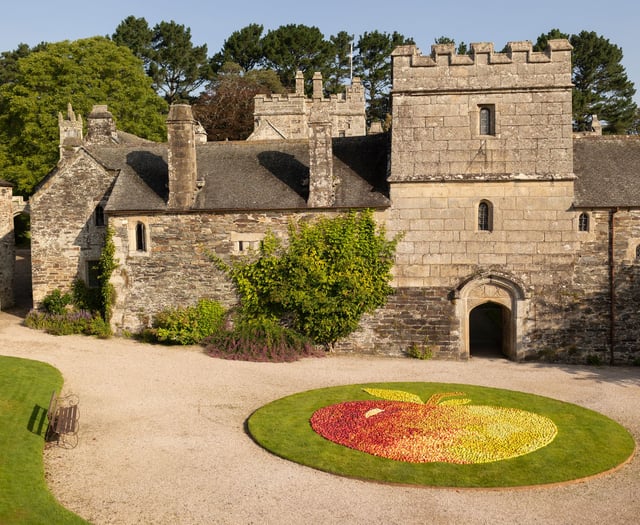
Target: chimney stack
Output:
[
  {"x": 101, "y": 128},
  {"x": 70, "y": 133},
  {"x": 322, "y": 183},
  {"x": 181, "y": 156}
]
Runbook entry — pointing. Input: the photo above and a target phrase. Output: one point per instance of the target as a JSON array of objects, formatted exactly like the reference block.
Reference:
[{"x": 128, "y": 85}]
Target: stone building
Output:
[
  {"x": 279, "y": 117},
  {"x": 7, "y": 246},
  {"x": 518, "y": 236}
]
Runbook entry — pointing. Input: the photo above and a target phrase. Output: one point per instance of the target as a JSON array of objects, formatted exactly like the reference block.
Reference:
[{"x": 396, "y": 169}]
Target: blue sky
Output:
[{"x": 212, "y": 21}]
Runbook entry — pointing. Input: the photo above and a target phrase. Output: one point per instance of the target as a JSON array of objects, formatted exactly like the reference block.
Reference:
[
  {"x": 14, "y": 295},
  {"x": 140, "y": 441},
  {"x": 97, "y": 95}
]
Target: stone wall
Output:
[
  {"x": 63, "y": 231},
  {"x": 175, "y": 269},
  {"x": 7, "y": 247}
]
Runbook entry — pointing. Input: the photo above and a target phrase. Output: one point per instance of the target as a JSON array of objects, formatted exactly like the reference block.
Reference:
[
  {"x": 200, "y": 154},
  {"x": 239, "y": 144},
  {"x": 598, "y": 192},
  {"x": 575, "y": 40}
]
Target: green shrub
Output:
[
  {"x": 261, "y": 340},
  {"x": 68, "y": 323},
  {"x": 420, "y": 351},
  {"x": 187, "y": 325},
  {"x": 332, "y": 272},
  {"x": 85, "y": 298},
  {"x": 56, "y": 302}
]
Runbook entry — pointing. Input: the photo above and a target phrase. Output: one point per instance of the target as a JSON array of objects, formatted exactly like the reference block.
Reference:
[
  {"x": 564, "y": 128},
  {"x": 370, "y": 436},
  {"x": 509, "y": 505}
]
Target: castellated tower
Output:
[
  {"x": 482, "y": 185},
  {"x": 181, "y": 156},
  {"x": 496, "y": 115},
  {"x": 286, "y": 117}
]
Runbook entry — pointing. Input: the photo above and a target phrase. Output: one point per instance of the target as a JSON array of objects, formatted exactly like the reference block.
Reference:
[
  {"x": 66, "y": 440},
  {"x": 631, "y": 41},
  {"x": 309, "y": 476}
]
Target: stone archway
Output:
[
  {"x": 489, "y": 330},
  {"x": 490, "y": 310}
]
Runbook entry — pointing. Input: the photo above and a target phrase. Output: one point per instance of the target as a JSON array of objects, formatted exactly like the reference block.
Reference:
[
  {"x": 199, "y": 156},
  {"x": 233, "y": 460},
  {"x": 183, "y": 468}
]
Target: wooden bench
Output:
[{"x": 63, "y": 415}]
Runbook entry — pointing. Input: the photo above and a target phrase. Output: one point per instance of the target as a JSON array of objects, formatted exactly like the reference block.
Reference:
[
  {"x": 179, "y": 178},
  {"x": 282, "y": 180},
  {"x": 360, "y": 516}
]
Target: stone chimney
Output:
[
  {"x": 70, "y": 133},
  {"x": 299, "y": 83},
  {"x": 181, "y": 156},
  {"x": 101, "y": 128},
  {"x": 322, "y": 183},
  {"x": 317, "y": 86}
]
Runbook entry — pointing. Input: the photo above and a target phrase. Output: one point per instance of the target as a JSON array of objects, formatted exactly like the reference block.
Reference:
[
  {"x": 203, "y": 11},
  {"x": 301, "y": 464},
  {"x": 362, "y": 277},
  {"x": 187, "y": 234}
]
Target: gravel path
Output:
[{"x": 162, "y": 439}]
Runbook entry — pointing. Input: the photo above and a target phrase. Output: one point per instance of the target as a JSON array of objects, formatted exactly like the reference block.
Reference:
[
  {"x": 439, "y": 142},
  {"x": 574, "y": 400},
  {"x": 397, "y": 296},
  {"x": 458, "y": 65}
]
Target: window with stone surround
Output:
[
  {"x": 244, "y": 242},
  {"x": 487, "y": 119},
  {"x": 141, "y": 237},
  {"x": 638, "y": 252},
  {"x": 583, "y": 222},
  {"x": 485, "y": 216}
]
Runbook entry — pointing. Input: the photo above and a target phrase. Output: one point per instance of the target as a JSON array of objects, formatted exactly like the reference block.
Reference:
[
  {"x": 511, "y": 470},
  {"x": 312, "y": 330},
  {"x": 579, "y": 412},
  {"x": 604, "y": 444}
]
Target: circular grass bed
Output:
[{"x": 583, "y": 443}]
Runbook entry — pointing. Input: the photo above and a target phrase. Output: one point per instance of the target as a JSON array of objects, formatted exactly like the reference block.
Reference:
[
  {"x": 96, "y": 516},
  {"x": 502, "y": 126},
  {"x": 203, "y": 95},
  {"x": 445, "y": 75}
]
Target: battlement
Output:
[
  {"x": 483, "y": 68},
  {"x": 286, "y": 116}
]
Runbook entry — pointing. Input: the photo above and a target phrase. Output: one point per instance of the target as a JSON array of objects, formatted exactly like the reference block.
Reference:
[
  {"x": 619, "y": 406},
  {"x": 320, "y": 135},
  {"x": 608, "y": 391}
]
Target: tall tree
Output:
[
  {"x": 177, "y": 67},
  {"x": 339, "y": 66},
  {"x": 243, "y": 47},
  {"x": 9, "y": 61},
  {"x": 225, "y": 109},
  {"x": 136, "y": 34},
  {"x": 601, "y": 86},
  {"x": 83, "y": 73},
  {"x": 296, "y": 47},
  {"x": 373, "y": 65}
]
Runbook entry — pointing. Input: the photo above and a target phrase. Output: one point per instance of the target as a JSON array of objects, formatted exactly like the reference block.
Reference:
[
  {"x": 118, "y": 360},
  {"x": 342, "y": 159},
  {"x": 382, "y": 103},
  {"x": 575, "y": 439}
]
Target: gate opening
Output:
[{"x": 489, "y": 330}]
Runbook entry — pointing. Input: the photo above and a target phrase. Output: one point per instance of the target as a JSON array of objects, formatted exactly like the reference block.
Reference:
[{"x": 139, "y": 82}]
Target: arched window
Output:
[
  {"x": 141, "y": 237},
  {"x": 99, "y": 215},
  {"x": 485, "y": 216},
  {"x": 487, "y": 120},
  {"x": 583, "y": 222}
]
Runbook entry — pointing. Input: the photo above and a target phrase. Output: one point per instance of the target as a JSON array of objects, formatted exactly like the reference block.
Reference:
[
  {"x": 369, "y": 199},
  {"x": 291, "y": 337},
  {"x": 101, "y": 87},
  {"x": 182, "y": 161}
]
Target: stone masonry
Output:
[{"x": 287, "y": 116}]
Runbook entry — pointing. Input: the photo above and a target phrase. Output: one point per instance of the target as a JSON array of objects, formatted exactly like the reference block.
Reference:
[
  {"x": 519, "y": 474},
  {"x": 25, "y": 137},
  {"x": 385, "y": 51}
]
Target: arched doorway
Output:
[
  {"x": 490, "y": 311},
  {"x": 489, "y": 330}
]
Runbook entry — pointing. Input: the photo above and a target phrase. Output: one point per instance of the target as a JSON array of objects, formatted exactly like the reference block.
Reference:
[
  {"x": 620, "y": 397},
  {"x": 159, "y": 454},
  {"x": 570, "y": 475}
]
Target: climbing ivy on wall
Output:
[
  {"x": 106, "y": 266},
  {"x": 331, "y": 272}
]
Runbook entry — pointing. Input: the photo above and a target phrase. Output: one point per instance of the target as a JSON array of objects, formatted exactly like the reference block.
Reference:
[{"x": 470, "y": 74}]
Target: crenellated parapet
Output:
[
  {"x": 286, "y": 116},
  {"x": 518, "y": 66},
  {"x": 482, "y": 116}
]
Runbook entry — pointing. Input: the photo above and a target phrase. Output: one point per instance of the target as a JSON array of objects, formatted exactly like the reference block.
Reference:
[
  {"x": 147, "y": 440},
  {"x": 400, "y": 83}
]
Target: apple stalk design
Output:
[{"x": 400, "y": 426}]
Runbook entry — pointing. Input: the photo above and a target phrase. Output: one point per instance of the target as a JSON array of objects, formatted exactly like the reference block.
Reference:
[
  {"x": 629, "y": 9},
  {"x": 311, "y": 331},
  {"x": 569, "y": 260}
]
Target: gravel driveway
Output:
[{"x": 162, "y": 439}]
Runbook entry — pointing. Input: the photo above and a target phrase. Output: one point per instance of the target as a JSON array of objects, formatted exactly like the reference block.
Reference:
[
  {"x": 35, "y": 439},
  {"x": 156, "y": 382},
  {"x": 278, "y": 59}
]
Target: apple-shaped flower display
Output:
[{"x": 402, "y": 427}]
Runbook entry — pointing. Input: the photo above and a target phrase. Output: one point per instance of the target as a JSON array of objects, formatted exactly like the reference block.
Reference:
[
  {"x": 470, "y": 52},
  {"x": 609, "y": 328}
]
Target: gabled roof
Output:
[
  {"x": 4, "y": 183},
  {"x": 607, "y": 170},
  {"x": 269, "y": 175}
]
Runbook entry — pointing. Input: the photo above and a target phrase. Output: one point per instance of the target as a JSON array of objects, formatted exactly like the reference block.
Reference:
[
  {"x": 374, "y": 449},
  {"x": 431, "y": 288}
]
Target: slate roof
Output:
[
  {"x": 5, "y": 183},
  {"x": 269, "y": 175},
  {"x": 607, "y": 170}
]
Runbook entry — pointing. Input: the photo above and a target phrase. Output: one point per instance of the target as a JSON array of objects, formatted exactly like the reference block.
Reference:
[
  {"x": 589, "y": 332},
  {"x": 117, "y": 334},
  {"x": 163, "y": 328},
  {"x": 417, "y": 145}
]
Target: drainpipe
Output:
[{"x": 612, "y": 292}]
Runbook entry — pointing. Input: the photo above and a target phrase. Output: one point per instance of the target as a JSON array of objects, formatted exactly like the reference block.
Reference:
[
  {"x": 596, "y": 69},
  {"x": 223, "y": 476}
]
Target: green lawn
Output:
[
  {"x": 25, "y": 389},
  {"x": 587, "y": 443}
]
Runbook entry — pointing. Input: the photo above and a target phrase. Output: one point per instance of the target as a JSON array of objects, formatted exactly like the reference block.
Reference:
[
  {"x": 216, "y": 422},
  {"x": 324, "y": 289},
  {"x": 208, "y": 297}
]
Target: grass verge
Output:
[
  {"x": 587, "y": 442},
  {"x": 25, "y": 389}
]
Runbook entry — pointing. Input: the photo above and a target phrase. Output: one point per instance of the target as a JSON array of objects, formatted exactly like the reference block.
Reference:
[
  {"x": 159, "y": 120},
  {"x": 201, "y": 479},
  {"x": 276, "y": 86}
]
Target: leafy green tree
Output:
[
  {"x": 243, "y": 47},
  {"x": 177, "y": 67},
  {"x": 373, "y": 65},
  {"x": 296, "y": 47},
  {"x": 340, "y": 63},
  {"x": 225, "y": 109},
  {"x": 135, "y": 34},
  {"x": 9, "y": 61},
  {"x": 332, "y": 272},
  {"x": 83, "y": 73},
  {"x": 601, "y": 86}
]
